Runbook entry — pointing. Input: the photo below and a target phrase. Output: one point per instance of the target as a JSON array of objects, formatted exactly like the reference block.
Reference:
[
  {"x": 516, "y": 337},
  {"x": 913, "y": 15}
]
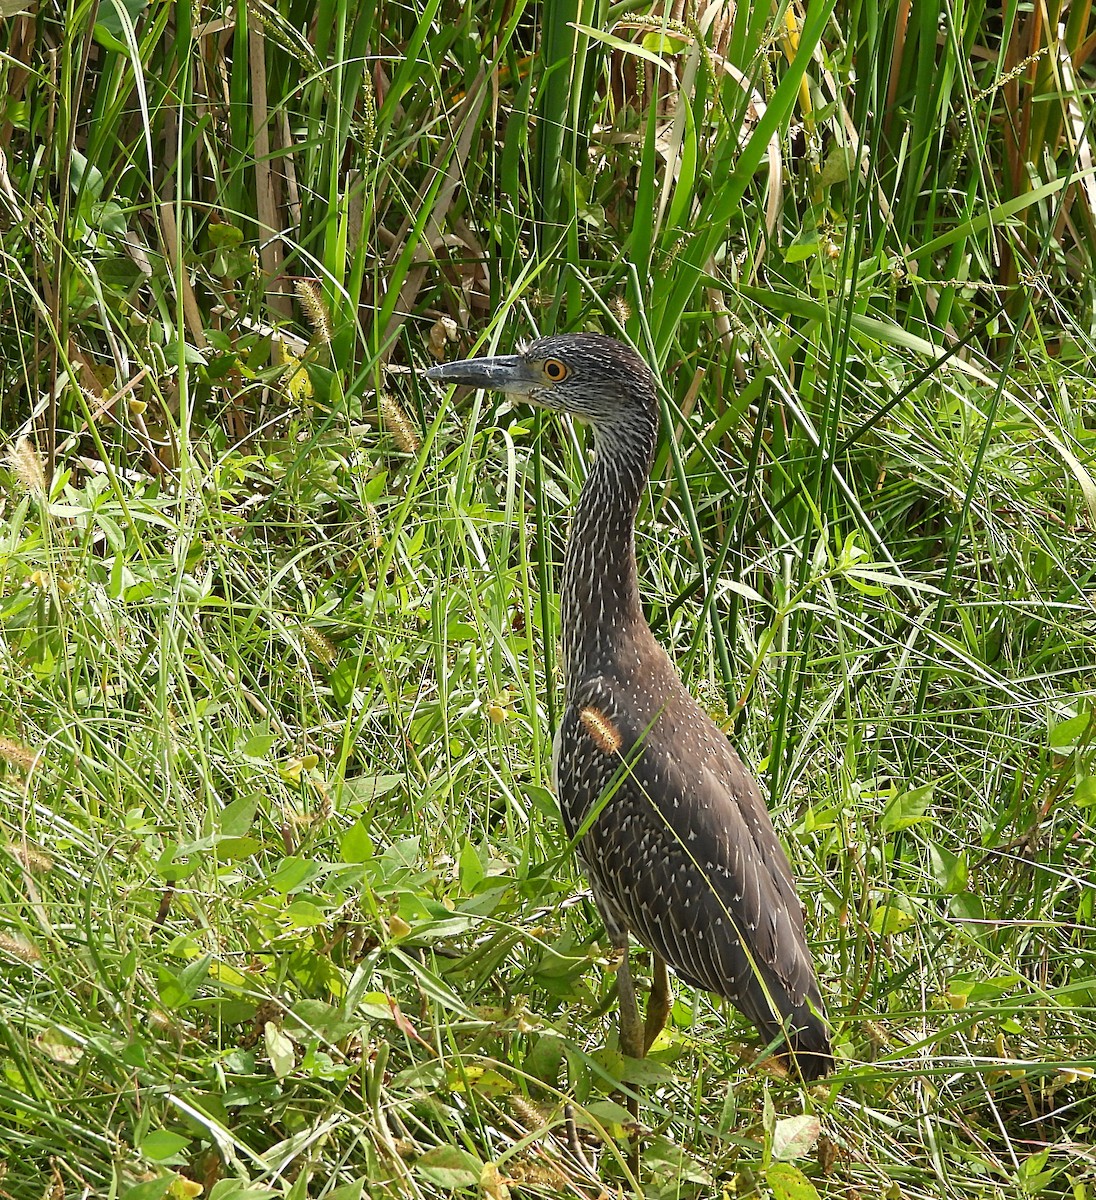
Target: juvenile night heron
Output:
[{"x": 677, "y": 842}]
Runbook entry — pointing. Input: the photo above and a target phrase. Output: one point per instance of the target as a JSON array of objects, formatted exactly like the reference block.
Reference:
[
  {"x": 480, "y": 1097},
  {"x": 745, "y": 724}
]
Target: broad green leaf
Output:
[
  {"x": 962, "y": 991},
  {"x": 175, "y": 990},
  {"x": 948, "y": 869},
  {"x": 450, "y": 1168},
  {"x": 306, "y": 914},
  {"x": 469, "y": 866},
  {"x": 1070, "y": 733},
  {"x": 356, "y": 845},
  {"x": 793, "y": 1137},
  {"x": 160, "y": 1145},
  {"x": 789, "y": 1183},
  {"x": 607, "y": 1114},
  {"x": 365, "y": 789},
  {"x": 231, "y": 849},
  {"x": 348, "y": 1191},
  {"x": 235, "y": 818},
  {"x": 887, "y": 919},
  {"x": 171, "y": 870},
  {"x": 109, "y": 26},
  {"x": 279, "y": 1050},
  {"x": 292, "y": 874},
  {"x": 906, "y": 809},
  {"x": 258, "y": 746},
  {"x": 1085, "y": 792},
  {"x": 662, "y": 43},
  {"x": 150, "y": 1189},
  {"x": 802, "y": 249},
  {"x": 484, "y": 1081}
]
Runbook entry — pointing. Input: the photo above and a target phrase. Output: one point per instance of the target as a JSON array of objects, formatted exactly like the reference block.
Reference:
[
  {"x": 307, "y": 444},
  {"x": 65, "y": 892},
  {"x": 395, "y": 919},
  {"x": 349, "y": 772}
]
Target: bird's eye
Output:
[{"x": 555, "y": 371}]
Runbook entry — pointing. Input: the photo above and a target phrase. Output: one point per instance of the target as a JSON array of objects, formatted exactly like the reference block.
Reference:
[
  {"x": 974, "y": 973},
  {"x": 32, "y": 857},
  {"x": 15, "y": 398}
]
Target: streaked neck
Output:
[{"x": 599, "y": 599}]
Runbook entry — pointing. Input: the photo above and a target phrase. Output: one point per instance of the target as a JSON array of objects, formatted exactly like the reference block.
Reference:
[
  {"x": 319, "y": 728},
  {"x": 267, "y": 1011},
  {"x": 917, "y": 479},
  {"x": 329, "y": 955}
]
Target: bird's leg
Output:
[
  {"x": 629, "y": 1031},
  {"x": 630, "y": 1037},
  {"x": 630, "y": 1040},
  {"x": 659, "y": 1002}
]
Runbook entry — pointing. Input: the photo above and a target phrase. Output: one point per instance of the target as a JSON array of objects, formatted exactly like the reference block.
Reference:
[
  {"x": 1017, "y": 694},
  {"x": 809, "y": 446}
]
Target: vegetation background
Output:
[{"x": 285, "y": 909}]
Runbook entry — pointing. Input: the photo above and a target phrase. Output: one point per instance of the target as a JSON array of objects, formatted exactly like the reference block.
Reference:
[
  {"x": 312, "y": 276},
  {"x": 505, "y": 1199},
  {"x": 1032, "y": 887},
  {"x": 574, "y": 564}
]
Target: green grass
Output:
[{"x": 285, "y": 905}]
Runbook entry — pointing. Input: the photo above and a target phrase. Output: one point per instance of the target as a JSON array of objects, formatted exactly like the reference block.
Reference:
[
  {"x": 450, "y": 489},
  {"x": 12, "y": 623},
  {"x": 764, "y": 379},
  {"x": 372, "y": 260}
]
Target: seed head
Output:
[
  {"x": 26, "y": 465},
  {"x": 395, "y": 421},
  {"x": 315, "y": 309}
]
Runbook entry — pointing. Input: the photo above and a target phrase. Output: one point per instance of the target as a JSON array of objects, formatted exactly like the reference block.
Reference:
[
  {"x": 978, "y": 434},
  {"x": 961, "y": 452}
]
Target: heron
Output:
[{"x": 669, "y": 824}]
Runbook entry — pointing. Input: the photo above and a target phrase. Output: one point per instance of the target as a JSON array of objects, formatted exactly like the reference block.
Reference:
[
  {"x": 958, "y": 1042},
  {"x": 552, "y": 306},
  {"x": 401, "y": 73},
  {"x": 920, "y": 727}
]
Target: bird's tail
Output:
[
  {"x": 809, "y": 1053},
  {"x": 806, "y": 1050}
]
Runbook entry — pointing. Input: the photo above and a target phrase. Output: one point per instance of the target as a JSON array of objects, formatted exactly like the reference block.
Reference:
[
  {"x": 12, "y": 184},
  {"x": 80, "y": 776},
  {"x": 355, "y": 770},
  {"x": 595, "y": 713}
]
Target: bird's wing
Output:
[{"x": 683, "y": 851}]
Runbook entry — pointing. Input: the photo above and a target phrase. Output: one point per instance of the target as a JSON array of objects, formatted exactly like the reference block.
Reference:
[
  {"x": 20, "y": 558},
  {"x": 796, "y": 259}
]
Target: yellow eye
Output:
[{"x": 555, "y": 371}]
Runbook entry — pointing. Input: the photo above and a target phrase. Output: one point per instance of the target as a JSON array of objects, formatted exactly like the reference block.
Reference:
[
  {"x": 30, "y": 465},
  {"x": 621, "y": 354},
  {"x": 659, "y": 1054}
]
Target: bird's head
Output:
[{"x": 592, "y": 377}]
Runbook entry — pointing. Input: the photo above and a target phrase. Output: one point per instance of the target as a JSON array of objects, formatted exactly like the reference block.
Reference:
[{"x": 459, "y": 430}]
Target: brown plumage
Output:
[{"x": 676, "y": 839}]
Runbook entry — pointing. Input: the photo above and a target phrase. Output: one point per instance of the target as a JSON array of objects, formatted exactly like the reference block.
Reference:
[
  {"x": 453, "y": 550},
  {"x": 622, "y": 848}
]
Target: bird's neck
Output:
[{"x": 599, "y": 600}]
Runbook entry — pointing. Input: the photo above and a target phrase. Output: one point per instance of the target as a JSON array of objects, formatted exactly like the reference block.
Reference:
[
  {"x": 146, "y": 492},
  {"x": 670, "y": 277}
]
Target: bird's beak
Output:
[{"x": 509, "y": 373}]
